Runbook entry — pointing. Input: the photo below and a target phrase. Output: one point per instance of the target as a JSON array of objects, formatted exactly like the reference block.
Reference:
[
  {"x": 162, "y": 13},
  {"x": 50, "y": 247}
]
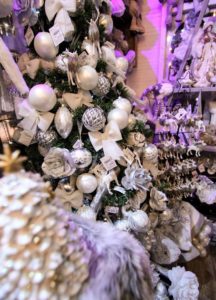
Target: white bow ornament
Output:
[
  {"x": 32, "y": 119},
  {"x": 107, "y": 140},
  {"x": 78, "y": 100}
]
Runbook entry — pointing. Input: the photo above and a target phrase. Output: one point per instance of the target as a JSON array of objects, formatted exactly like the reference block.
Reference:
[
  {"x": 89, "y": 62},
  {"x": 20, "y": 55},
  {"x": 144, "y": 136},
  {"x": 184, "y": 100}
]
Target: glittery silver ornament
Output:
[
  {"x": 102, "y": 87},
  {"x": 63, "y": 122},
  {"x": 94, "y": 119},
  {"x": 150, "y": 152},
  {"x": 82, "y": 157},
  {"x": 47, "y": 139}
]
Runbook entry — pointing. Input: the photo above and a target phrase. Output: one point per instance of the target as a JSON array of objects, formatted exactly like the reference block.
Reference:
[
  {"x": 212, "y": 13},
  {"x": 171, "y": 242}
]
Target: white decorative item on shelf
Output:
[
  {"x": 86, "y": 183},
  {"x": 63, "y": 121},
  {"x": 94, "y": 119},
  {"x": 42, "y": 97},
  {"x": 44, "y": 46},
  {"x": 124, "y": 104},
  {"x": 87, "y": 78},
  {"x": 119, "y": 116}
]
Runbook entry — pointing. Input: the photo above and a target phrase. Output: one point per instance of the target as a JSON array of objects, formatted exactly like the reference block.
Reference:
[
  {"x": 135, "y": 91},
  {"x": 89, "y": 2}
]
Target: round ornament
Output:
[
  {"x": 150, "y": 152},
  {"x": 94, "y": 119},
  {"x": 63, "y": 121},
  {"x": 82, "y": 158},
  {"x": 102, "y": 87},
  {"x": 119, "y": 116},
  {"x": 87, "y": 78},
  {"x": 107, "y": 22},
  {"x": 44, "y": 46},
  {"x": 42, "y": 97},
  {"x": 86, "y": 183},
  {"x": 124, "y": 104},
  {"x": 87, "y": 212},
  {"x": 136, "y": 139},
  {"x": 122, "y": 64},
  {"x": 47, "y": 139}
]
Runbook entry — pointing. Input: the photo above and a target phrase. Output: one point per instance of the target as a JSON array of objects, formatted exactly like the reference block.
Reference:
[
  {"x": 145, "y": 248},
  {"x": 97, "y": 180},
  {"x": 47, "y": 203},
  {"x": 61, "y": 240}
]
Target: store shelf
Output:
[
  {"x": 194, "y": 89},
  {"x": 211, "y": 149}
]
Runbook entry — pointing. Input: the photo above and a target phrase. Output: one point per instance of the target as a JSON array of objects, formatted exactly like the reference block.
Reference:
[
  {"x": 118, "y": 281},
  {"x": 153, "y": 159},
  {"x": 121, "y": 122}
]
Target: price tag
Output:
[
  {"x": 29, "y": 36},
  {"x": 112, "y": 210},
  {"x": 23, "y": 137},
  {"x": 108, "y": 163},
  {"x": 128, "y": 155},
  {"x": 57, "y": 35}
]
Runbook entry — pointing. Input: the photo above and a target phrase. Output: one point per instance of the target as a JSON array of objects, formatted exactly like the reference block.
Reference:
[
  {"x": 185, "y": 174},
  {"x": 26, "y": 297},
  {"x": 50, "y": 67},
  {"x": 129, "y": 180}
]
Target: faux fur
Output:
[{"x": 120, "y": 267}]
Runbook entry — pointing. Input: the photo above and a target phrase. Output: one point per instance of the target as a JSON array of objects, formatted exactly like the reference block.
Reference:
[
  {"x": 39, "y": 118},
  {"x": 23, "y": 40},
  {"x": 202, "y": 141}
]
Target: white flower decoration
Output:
[
  {"x": 184, "y": 284},
  {"x": 58, "y": 163}
]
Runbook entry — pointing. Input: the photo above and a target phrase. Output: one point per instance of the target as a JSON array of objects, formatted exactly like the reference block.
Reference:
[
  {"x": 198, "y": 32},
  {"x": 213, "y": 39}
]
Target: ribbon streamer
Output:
[
  {"x": 33, "y": 119},
  {"x": 77, "y": 100},
  {"x": 107, "y": 140}
]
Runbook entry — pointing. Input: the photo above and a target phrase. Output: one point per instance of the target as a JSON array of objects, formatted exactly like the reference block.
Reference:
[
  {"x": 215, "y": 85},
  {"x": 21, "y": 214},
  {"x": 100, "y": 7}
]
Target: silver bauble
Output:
[
  {"x": 138, "y": 221},
  {"x": 119, "y": 116},
  {"x": 150, "y": 152},
  {"x": 124, "y": 104},
  {"x": 47, "y": 139},
  {"x": 102, "y": 87},
  {"x": 107, "y": 22},
  {"x": 44, "y": 46},
  {"x": 6, "y": 7},
  {"x": 42, "y": 97},
  {"x": 122, "y": 64},
  {"x": 61, "y": 63},
  {"x": 94, "y": 119},
  {"x": 63, "y": 121},
  {"x": 86, "y": 183},
  {"x": 82, "y": 158},
  {"x": 43, "y": 150},
  {"x": 87, "y": 78},
  {"x": 87, "y": 212}
]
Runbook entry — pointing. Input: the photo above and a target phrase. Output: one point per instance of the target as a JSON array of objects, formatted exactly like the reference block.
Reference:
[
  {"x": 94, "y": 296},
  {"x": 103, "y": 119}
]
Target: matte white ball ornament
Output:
[
  {"x": 44, "y": 46},
  {"x": 124, "y": 104},
  {"x": 119, "y": 116},
  {"x": 86, "y": 183},
  {"x": 42, "y": 97},
  {"x": 87, "y": 78}
]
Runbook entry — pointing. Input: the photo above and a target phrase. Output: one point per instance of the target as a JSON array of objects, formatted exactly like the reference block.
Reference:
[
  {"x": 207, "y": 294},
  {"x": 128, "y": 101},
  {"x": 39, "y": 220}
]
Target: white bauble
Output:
[
  {"x": 138, "y": 221},
  {"x": 86, "y": 183},
  {"x": 6, "y": 7},
  {"x": 124, "y": 104},
  {"x": 150, "y": 152},
  {"x": 87, "y": 212},
  {"x": 122, "y": 225},
  {"x": 44, "y": 46},
  {"x": 119, "y": 116},
  {"x": 63, "y": 121},
  {"x": 87, "y": 78},
  {"x": 82, "y": 158},
  {"x": 106, "y": 21},
  {"x": 122, "y": 64},
  {"x": 42, "y": 97}
]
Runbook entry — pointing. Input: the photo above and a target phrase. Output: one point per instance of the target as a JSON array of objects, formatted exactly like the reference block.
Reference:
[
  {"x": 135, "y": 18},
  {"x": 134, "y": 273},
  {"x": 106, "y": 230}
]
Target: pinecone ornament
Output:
[{"x": 43, "y": 255}]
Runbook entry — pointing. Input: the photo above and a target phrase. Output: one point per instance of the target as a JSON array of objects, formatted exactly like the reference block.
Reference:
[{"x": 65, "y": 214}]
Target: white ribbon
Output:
[
  {"x": 33, "y": 119},
  {"x": 77, "y": 100},
  {"x": 107, "y": 140}
]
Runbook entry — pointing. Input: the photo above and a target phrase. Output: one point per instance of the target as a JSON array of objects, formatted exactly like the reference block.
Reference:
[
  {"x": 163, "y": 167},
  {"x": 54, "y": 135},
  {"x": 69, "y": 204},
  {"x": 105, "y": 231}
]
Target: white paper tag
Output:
[
  {"x": 69, "y": 5},
  {"x": 23, "y": 137},
  {"x": 29, "y": 36},
  {"x": 128, "y": 155},
  {"x": 181, "y": 114},
  {"x": 112, "y": 210},
  {"x": 57, "y": 35},
  {"x": 108, "y": 163}
]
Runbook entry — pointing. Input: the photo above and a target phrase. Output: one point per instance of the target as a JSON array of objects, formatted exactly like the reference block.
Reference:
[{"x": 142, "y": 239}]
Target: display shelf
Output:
[
  {"x": 194, "y": 89},
  {"x": 211, "y": 149}
]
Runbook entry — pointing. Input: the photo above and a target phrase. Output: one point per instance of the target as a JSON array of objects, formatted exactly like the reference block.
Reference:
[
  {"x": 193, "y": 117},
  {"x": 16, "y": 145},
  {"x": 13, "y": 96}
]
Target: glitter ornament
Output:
[
  {"x": 63, "y": 121},
  {"x": 86, "y": 183},
  {"x": 94, "y": 119},
  {"x": 61, "y": 63},
  {"x": 44, "y": 46},
  {"x": 82, "y": 158},
  {"x": 87, "y": 78},
  {"x": 150, "y": 152},
  {"x": 47, "y": 139},
  {"x": 42, "y": 97},
  {"x": 102, "y": 87}
]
